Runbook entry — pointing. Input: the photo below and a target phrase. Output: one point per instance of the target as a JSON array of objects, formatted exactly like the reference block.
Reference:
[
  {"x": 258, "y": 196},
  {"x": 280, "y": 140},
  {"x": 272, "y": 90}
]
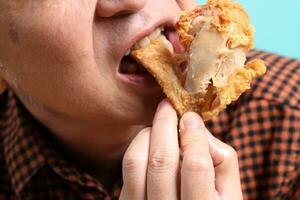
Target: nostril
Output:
[
  {"x": 108, "y": 8},
  {"x": 122, "y": 13}
]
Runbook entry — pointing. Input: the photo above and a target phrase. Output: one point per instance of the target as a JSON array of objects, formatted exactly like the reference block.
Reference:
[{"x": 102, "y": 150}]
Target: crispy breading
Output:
[
  {"x": 217, "y": 98},
  {"x": 159, "y": 62},
  {"x": 228, "y": 19},
  {"x": 241, "y": 35}
]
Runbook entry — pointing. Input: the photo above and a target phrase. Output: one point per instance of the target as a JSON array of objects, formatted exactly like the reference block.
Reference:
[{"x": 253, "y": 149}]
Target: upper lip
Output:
[{"x": 167, "y": 23}]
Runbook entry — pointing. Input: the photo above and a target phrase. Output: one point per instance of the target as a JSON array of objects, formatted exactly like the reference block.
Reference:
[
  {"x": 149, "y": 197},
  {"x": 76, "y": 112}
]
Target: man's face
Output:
[{"x": 62, "y": 57}]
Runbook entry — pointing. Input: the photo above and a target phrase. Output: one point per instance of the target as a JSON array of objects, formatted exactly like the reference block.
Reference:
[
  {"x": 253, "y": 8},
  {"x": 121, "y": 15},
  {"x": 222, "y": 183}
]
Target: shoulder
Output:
[
  {"x": 271, "y": 106},
  {"x": 281, "y": 83},
  {"x": 263, "y": 126}
]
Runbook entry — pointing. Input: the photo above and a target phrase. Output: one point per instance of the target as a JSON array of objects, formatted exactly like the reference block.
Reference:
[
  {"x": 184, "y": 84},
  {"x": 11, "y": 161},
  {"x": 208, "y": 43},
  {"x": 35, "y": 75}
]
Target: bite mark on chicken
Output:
[
  {"x": 216, "y": 37},
  {"x": 211, "y": 61}
]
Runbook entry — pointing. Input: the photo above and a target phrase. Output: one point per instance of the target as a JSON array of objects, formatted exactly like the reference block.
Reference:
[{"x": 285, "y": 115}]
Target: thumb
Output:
[{"x": 226, "y": 166}]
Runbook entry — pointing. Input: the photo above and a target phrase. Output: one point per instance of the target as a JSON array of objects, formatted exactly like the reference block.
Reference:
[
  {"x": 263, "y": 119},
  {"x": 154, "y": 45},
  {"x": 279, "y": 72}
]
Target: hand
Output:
[{"x": 152, "y": 169}]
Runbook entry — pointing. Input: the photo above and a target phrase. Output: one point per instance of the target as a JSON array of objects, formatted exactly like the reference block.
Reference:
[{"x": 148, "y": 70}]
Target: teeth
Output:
[
  {"x": 167, "y": 43},
  {"x": 162, "y": 38},
  {"x": 157, "y": 34},
  {"x": 144, "y": 42},
  {"x": 128, "y": 52}
]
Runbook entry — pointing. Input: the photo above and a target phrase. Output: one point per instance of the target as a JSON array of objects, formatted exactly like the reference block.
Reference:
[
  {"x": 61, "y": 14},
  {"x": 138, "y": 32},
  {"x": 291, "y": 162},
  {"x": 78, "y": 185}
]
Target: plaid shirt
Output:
[{"x": 263, "y": 126}]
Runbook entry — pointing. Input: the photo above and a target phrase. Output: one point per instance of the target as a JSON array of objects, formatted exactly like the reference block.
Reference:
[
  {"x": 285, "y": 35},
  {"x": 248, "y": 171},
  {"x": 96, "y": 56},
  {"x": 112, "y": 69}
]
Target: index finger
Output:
[{"x": 163, "y": 161}]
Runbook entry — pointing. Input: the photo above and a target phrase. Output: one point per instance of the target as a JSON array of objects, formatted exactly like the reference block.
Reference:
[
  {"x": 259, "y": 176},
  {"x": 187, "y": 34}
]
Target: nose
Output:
[{"x": 109, "y": 8}]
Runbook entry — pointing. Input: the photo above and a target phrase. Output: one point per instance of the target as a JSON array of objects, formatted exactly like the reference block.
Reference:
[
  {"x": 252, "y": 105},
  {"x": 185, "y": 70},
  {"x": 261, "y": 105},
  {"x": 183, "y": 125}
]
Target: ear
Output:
[{"x": 2, "y": 85}]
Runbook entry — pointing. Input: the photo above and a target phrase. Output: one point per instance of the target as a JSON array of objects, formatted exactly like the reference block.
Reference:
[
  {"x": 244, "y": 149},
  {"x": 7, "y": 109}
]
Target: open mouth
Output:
[{"x": 129, "y": 66}]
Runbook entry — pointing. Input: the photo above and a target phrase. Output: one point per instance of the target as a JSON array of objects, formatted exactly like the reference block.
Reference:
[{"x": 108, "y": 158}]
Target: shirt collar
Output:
[
  {"x": 21, "y": 150},
  {"x": 28, "y": 147}
]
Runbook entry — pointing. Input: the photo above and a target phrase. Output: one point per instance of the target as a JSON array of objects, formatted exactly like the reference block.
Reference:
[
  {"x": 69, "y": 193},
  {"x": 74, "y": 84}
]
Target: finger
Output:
[
  {"x": 187, "y": 4},
  {"x": 226, "y": 169},
  {"x": 197, "y": 172},
  {"x": 162, "y": 175},
  {"x": 135, "y": 167}
]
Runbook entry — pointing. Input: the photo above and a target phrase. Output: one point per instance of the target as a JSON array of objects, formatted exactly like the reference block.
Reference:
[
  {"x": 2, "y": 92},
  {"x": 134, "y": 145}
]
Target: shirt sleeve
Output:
[
  {"x": 266, "y": 136},
  {"x": 264, "y": 128}
]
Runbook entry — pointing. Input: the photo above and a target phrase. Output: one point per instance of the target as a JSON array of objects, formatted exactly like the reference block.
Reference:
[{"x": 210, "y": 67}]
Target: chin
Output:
[
  {"x": 142, "y": 120},
  {"x": 143, "y": 111}
]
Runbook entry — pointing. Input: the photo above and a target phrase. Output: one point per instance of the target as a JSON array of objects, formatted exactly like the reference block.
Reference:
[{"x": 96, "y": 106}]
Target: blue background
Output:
[{"x": 277, "y": 25}]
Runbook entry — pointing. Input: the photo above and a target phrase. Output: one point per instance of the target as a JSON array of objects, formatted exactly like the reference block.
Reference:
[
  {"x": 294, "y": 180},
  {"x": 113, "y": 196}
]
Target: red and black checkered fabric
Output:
[{"x": 263, "y": 126}]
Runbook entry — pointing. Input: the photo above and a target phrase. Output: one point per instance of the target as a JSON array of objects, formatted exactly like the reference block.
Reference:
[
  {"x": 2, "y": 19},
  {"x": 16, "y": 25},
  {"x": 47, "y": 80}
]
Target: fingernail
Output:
[{"x": 190, "y": 121}]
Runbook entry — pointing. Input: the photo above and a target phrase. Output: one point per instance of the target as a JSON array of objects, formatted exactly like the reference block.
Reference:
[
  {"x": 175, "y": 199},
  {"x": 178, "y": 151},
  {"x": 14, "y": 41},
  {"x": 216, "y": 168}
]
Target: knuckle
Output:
[
  {"x": 135, "y": 157},
  {"x": 133, "y": 162},
  {"x": 166, "y": 115},
  {"x": 195, "y": 163},
  {"x": 231, "y": 153},
  {"x": 230, "y": 156},
  {"x": 192, "y": 137},
  {"x": 165, "y": 119},
  {"x": 163, "y": 160}
]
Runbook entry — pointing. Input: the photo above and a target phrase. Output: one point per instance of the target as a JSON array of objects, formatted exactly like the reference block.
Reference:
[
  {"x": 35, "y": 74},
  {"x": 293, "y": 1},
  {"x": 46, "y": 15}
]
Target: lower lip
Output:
[{"x": 144, "y": 82}]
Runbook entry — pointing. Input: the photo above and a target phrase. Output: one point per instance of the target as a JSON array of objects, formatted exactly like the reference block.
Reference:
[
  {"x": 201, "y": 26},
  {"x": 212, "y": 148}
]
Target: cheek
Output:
[
  {"x": 49, "y": 35},
  {"x": 51, "y": 55},
  {"x": 52, "y": 48},
  {"x": 51, "y": 60}
]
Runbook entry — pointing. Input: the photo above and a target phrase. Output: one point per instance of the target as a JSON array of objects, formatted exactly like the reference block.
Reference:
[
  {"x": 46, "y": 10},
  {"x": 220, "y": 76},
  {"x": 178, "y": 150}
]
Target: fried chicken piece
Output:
[
  {"x": 159, "y": 61},
  {"x": 216, "y": 37}
]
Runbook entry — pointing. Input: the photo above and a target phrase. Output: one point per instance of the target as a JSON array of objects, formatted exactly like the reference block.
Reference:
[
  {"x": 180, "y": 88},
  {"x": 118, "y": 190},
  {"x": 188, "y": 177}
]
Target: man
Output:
[{"x": 68, "y": 116}]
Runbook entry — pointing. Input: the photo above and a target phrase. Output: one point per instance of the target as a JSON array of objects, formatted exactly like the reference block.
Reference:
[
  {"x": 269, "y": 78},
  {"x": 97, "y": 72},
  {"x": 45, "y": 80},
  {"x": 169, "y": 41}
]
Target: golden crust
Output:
[
  {"x": 157, "y": 59},
  {"x": 223, "y": 14},
  {"x": 162, "y": 64},
  {"x": 159, "y": 62},
  {"x": 217, "y": 98}
]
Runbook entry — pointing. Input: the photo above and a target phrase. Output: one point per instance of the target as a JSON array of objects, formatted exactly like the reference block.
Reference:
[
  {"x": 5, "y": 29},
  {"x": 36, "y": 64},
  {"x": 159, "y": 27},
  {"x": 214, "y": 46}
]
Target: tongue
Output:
[{"x": 174, "y": 39}]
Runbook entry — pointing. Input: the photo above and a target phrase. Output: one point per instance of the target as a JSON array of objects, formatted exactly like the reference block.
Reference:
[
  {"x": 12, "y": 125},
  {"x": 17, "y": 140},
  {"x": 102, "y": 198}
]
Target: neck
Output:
[
  {"x": 98, "y": 144},
  {"x": 93, "y": 147},
  {"x": 96, "y": 150}
]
